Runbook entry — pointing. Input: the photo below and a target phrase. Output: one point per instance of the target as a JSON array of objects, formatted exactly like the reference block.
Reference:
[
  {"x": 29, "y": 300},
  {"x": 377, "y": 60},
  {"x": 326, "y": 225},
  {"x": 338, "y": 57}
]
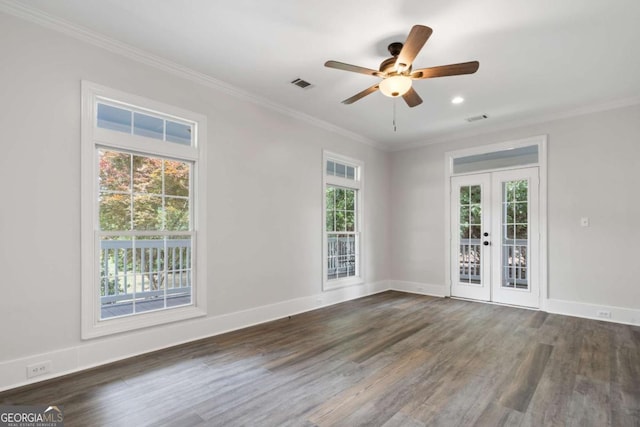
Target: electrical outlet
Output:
[
  {"x": 605, "y": 314},
  {"x": 38, "y": 369}
]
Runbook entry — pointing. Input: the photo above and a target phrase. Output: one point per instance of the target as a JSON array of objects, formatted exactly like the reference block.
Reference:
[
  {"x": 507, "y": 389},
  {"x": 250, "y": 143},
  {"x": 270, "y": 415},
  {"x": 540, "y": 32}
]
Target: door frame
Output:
[{"x": 541, "y": 142}]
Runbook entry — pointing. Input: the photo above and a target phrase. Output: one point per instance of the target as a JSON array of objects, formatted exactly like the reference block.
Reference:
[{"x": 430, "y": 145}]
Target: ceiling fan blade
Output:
[
  {"x": 354, "y": 68},
  {"x": 362, "y": 94},
  {"x": 418, "y": 36},
  {"x": 412, "y": 98},
  {"x": 446, "y": 70}
]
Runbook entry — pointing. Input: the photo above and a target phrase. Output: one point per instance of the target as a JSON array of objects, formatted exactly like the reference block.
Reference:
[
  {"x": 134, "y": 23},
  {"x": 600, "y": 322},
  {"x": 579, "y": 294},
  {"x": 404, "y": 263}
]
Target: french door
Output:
[{"x": 495, "y": 237}]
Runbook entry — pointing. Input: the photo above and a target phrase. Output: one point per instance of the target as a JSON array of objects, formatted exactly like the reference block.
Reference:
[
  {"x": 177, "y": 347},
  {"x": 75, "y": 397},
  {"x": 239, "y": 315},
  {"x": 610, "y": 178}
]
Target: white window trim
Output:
[
  {"x": 357, "y": 184},
  {"x": 93, "y": 137}
]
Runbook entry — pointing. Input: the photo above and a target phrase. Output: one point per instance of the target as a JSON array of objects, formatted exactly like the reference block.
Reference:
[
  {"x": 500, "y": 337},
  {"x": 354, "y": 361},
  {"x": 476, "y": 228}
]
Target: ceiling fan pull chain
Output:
[{"x": 395, "y": 129}]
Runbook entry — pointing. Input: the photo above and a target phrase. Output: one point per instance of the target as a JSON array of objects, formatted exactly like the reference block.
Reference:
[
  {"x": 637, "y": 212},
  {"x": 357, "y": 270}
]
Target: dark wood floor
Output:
[{"x": 391, "y": 359}]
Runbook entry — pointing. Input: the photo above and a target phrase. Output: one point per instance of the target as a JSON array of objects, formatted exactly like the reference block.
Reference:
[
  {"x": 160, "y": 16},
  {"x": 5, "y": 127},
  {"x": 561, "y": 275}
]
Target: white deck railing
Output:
[
  {"x": 514, "y": 260},
  {"x": 341, "y": 256},
  {"x": 153, "y": 268}
]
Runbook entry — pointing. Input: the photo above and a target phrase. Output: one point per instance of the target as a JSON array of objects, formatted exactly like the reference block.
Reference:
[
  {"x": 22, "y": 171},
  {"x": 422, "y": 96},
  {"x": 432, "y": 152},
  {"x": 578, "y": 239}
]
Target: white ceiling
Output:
[{"x": 538, "y": 59}]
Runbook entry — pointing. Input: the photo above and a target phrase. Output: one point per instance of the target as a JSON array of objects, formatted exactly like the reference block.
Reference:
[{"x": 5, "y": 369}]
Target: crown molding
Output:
[
  {"x": 514, "y": 124},
  {"x": 31, "y": 14},
  {"x": 83, "y": 34}
]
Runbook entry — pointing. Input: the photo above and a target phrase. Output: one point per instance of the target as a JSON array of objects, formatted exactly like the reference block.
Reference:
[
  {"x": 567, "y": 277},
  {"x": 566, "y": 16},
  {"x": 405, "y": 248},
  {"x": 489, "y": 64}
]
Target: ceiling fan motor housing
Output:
[
  {"x": 388, "y": 65},
  {"x": 395, "y": 48}
]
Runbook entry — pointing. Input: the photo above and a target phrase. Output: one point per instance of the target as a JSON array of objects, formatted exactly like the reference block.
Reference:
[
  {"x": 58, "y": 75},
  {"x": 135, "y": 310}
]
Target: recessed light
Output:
[{"x": 457, "y": 100}]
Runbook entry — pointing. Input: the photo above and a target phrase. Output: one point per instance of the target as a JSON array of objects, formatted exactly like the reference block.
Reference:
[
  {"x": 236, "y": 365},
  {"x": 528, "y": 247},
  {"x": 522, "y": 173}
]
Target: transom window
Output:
[
  {"x": 342, "y": 220},
  {"x": 141, "y": 167},
  {"x": 127, "y": 120}
]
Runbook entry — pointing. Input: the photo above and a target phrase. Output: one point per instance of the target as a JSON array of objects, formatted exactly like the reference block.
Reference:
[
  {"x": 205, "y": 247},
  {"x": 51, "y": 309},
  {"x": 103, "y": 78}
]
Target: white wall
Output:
[
  {"x": 264, "y": 193},
  {"x": 593, "y": 171}
]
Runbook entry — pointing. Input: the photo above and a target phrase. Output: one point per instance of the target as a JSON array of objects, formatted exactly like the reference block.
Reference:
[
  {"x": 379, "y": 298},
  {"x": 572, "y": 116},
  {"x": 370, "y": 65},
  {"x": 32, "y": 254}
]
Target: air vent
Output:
[
  {"x": 476, "y": 118},
  {"x": 301, "y": 83}
]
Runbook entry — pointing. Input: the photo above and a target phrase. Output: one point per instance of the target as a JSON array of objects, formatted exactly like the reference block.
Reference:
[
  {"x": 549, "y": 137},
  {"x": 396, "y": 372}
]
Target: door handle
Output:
[{"x": 486, "y": 243}]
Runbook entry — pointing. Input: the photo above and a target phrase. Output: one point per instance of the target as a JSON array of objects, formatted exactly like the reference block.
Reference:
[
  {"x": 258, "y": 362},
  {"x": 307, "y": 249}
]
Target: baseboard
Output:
[
  {"x": 101, "y": 351},
  {"x": 627, "y": 316},
  {"x": 418, "y": 288},
  {"x": 623, "y": 315}
]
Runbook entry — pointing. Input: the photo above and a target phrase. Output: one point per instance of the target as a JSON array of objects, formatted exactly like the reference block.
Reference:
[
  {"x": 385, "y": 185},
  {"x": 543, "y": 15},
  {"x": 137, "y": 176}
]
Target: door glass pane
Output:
[
  {"x": 470, "y": 214},
  {"x": 515, "y": 238}
]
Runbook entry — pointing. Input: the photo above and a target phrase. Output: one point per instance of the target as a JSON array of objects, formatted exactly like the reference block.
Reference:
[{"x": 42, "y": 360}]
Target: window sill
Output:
[
  {"x": 342, "y": 283},
  {"x": 130, "y": 323}
]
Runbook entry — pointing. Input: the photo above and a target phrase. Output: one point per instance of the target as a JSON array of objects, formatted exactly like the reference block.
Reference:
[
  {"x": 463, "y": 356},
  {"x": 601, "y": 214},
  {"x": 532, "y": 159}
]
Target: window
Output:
[
  {"x": 142, "y": 163},
  {"x": 342, "y": 221}
]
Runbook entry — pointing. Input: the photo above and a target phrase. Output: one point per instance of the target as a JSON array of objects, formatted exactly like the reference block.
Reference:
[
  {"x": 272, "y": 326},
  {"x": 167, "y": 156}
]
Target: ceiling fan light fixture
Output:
[{"x": 395, "y": 86}]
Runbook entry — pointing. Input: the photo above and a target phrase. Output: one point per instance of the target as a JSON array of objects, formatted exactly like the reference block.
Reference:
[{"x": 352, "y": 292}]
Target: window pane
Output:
[
  {"x": 464, "y": 195},
  {"x": 475, "y": 214},
  {"x": 509, "y": 213},
  {"x": 178, "y": 271},
  {"x": 521, "y": 232},
  {"x": 351, "y": 172},
  {"x": 341, "y": 170},
  {"x": 330, "y": 168},
  {"x": 521, "y": 212},
  {"x": 341, "y": 224},
  {"x": 330, "y": 221},
  {"x": 351, "y": 221},
  {"x": 474, "y": 194},
  {"x": 350, "y": 196},
  {"x": 151, "y": 127},
  {"x": 520, "y": 190},
  {"x": 330, "y": 194},
  {"x": 176, "y": 178},
  {"x": 176, "y": 213},
  {"x": 114, "y": 118},
  {"x": 114, "y": 211},
  {"x": 115, "y": 171},
  {"x": 151, "y": 274},
  {"x": 147, "y": 212},
  {"x": 509, "y": 191},
  {"x": 341, "y": 202},
  {"x": 147, "y": 175},
  {"x": 178, "y": 133},
  {"x": 464, "y": 214},
  {"x": 117, "y": 278}
]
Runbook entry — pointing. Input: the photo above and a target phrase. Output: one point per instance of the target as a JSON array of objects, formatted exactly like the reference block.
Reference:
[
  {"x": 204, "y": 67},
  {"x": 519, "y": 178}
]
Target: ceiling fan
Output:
[{"x": 396, "y": 72}]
